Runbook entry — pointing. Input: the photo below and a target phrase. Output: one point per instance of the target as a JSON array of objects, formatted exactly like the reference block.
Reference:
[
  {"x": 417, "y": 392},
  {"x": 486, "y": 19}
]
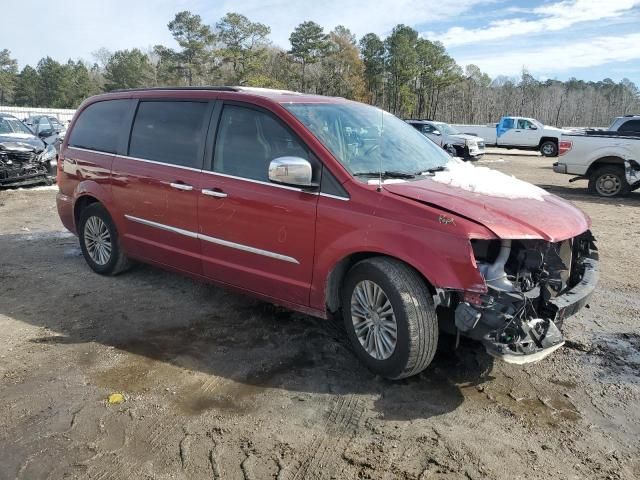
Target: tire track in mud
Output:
[{"x": 341, "y": 425}]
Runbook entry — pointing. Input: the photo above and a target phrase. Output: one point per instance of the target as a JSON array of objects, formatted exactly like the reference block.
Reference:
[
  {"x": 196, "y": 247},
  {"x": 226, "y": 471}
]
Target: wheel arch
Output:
[
  {"x": 548, "y": 139},
  {"x": 609, "y": 160},
  {"x": 82, "y": 202},
  {"x": 335, "y": 279}
]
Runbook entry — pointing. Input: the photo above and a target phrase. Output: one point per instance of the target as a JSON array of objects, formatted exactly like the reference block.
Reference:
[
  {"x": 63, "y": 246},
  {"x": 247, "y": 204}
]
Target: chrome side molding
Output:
[{"x": 217, "y": 241}]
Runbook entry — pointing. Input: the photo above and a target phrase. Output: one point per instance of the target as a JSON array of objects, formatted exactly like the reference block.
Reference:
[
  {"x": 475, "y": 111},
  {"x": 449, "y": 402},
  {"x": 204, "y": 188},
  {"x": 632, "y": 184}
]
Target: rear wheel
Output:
[
  {"x": 99, "y": 241},
  {"x": 549, "y": 148},
  {"x": 389, "y": 317},
  {"x": 609, "y": 181}
]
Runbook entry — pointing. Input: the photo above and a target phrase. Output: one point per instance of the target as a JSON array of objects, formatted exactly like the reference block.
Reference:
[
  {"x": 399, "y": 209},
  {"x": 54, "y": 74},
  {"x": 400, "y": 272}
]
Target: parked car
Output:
[
  {"x": 609, "y": 162},
  {"x": 518, "y": 132},
  {"x": 469, "y": 147},
  {"x": 44, "y": 123},
  {"x": 48, "y": 128},
  {"x": 626, "y": 126},
  {"x": 328, "y": 207},
  {"x": 24, "y": 158}
]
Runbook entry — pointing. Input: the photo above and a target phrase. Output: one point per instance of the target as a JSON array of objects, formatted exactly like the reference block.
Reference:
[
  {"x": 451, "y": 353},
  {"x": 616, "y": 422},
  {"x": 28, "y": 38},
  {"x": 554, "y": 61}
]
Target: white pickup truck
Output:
[
  {"x": 611, "y": 163},
  {"x": 518, "y": 132}
]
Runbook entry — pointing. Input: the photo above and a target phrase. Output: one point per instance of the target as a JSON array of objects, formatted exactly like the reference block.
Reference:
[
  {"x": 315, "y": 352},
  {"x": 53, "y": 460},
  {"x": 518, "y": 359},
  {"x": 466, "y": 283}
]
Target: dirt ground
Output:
[{"x": 222, "y": 386}]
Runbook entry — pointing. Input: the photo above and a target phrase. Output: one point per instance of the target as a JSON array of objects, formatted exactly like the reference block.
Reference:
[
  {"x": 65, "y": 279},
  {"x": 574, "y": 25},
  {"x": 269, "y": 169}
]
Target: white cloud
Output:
[
  {"x": 560, "y": 58},
  {"x": 551, "y": 17},
  {"x": 360, "y": 16}
]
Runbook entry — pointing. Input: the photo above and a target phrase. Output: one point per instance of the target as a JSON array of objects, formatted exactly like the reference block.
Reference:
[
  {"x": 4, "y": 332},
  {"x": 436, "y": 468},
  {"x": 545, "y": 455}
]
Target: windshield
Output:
[
  {"x": 446, "y": 128},
  {"x": 12, "y": 125},
  {"x": 367, "y": 140}
]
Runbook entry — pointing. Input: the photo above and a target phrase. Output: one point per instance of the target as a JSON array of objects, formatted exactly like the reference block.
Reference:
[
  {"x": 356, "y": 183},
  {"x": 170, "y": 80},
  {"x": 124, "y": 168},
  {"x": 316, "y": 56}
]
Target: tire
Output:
[
  {"x": 609, "y": 181},
  {"x": 416, "y": 324},
  {"x": 549, "y": 148},
  {"x": 95, "y": 222}
]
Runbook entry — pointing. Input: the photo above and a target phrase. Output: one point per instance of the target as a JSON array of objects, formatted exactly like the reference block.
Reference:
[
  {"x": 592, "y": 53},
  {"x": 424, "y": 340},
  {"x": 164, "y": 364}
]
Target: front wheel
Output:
[
  {"x": 99, "y": 241},
  {"x": 389, "y": 317},
  {"x": 549, "y": 149}
]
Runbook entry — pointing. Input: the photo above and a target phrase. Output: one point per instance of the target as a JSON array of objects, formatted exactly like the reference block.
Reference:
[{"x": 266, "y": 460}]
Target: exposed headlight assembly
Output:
[{"x": 49, "y": 154}]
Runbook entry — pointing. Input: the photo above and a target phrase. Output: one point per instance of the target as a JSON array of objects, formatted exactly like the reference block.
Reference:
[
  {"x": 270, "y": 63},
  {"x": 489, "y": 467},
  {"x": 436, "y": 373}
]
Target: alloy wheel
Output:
[
  {"x": 373, "y": 320},
  {"x": 97, "y": 240}
]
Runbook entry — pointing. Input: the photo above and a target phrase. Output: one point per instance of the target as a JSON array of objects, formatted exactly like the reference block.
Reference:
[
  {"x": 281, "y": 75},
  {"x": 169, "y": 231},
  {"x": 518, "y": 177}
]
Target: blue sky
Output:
[{"x": 587, "y": 39}]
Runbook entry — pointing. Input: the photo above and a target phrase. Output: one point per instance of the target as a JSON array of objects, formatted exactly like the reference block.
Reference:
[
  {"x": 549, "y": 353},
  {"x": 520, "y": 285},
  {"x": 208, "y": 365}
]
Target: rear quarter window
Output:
[
  {"x": 99, "y": 126},
  {"x": 630, "y": 126}
]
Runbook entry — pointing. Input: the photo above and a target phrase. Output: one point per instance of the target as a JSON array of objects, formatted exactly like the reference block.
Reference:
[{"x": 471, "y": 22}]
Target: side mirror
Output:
[
  {"x": 46, "y": 133},
  {"x": 292, "y": 171},
  {"x": 436, "y": 132},
  {"x": 532, "y": 127}
]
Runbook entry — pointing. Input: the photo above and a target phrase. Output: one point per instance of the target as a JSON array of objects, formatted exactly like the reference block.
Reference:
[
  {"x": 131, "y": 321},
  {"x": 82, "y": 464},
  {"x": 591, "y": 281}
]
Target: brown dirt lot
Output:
[{"x": 219, "y": 385}]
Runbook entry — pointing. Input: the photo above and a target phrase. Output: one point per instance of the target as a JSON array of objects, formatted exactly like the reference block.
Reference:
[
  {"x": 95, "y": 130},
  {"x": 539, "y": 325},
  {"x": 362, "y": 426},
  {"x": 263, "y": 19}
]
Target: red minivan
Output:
[{"x": 328, "y": 207}]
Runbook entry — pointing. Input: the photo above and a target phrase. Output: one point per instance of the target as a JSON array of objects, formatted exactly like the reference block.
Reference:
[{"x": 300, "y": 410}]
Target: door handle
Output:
[
  {"x": 213, "y": 193},
  {"x": 181, "y": 186}
]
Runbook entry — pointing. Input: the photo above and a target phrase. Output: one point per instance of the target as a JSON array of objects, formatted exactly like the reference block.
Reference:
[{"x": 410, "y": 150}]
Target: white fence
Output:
[{"x": 62, "y": 114}]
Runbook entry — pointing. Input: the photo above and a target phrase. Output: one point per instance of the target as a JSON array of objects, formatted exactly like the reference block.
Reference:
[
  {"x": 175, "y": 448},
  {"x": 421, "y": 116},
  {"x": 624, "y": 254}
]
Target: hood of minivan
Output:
[{"x": 550, "y": 218}]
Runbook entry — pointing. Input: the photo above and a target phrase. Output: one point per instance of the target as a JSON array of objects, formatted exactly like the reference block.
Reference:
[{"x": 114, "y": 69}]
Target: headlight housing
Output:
[{"x": 49, "y": 154}]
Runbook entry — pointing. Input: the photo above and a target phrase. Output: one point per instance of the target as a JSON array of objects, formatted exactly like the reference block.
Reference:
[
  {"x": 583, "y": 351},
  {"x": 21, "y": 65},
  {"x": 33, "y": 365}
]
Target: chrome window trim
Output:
[
  {"x": 127, "y": 157},
  {"x": 89, "y": 150},
  {"x": 336, "y": 197},
  {"x": 209, "y": 172},
  {"x": 218, "y": 241},
  {"x": 260, "y": 182}
]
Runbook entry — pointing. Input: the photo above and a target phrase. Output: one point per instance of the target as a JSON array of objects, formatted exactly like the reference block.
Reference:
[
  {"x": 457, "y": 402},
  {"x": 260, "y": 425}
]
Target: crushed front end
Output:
[
  {"x": 532, "y": 286},
  {"x": 22, "y": 164}
]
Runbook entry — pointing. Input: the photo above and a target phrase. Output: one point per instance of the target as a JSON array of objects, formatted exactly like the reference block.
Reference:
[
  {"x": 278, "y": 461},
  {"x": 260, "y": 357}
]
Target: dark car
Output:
[
  {"x": 329, "y": 207},
  {"x": 44, "y": 125},
  {"x": 24, "y": 158}
]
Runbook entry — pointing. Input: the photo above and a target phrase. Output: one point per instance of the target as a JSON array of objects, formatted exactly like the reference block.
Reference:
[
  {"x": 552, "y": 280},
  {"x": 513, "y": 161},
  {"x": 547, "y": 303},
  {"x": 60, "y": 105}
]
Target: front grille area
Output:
[
  {"x": 21, "y": 156},
  {"x": 20, "y": 166}
]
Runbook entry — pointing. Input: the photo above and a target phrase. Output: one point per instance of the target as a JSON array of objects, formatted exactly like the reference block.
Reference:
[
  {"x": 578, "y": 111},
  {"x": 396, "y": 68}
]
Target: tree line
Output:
[{"x": 403, "y": 73}]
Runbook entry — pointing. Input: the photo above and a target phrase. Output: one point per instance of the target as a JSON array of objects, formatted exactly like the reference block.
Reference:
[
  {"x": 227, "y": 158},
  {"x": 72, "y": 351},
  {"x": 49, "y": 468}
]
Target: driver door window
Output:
[
  {"x": 524, "y": 124},
  {"x": 248, "y": 140}
]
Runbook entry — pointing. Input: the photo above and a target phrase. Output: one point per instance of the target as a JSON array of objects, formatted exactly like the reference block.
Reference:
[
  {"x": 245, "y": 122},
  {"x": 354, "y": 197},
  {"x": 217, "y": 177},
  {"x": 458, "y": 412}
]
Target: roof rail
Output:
[
  {"x": 633, "y": 115},
  {"x": 222, "y": 89}
]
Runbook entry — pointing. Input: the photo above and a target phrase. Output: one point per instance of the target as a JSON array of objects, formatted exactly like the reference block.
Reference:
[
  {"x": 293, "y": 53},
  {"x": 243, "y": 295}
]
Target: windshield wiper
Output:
[
  {"x": 385, "y": 174},
  {"x": 432, "y": 170}
]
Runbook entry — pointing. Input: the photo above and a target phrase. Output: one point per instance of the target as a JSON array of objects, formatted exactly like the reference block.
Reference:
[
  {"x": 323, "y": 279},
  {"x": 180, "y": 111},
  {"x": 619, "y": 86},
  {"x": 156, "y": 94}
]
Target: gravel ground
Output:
[{"x": 218, "y": 385}]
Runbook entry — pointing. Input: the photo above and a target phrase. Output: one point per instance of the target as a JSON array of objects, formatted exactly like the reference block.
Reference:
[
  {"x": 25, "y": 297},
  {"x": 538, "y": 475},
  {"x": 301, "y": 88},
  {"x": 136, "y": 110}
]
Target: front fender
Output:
[{"x": 444, "y": 258}]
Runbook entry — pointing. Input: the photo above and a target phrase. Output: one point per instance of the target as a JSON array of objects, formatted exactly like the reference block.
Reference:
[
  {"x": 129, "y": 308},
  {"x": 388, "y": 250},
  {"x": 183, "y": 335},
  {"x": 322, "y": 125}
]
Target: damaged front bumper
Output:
[
  {"x": 632, "y": 173},
  {"x": 519, "y": 326}
]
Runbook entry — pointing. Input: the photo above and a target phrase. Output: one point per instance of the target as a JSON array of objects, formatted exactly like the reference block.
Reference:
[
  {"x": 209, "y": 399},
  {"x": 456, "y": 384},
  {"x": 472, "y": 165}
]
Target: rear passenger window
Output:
[
  {"x": 248, "y": 140},
  {"x": 630, "y": 126},
  {"x": 170, "y": 132},
  {"x": 99, "y": 126}
]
